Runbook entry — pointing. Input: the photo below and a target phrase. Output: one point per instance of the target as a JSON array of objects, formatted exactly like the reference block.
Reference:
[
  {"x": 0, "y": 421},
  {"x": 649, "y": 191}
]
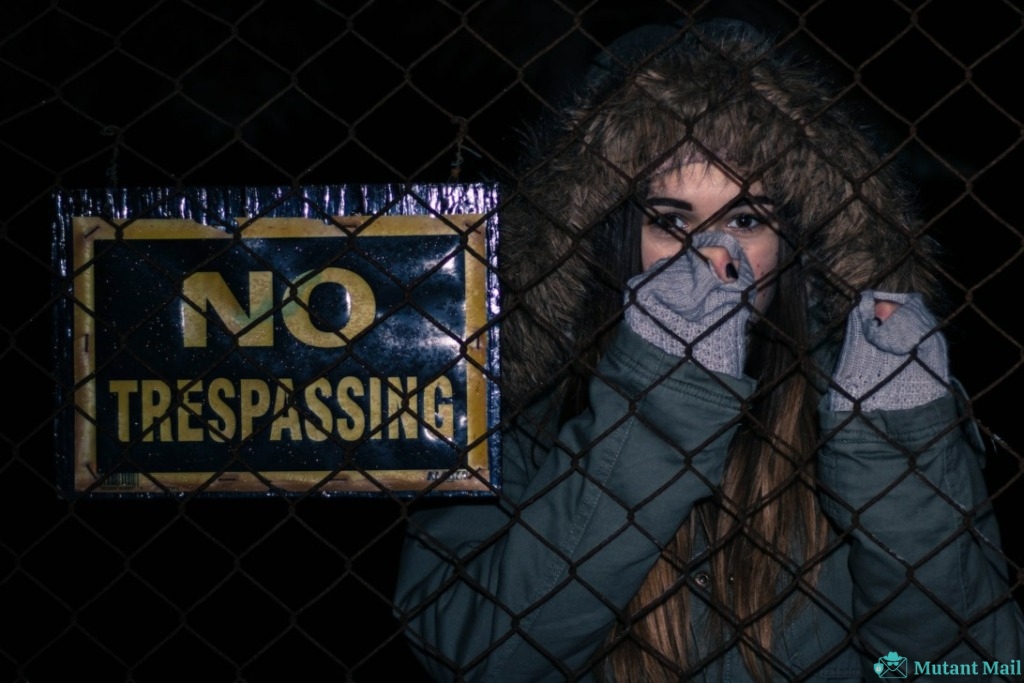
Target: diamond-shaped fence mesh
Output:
[{"x": 182, "y": 94}]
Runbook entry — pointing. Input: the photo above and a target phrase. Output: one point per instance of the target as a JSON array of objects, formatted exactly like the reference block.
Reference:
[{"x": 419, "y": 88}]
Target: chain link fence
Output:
[{"x": 185, "y": 94}]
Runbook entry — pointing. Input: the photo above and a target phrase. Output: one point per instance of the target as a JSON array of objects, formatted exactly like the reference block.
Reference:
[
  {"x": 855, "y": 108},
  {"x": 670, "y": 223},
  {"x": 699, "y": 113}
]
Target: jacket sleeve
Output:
[
  {"x": 526, "y": 588},
  {"x": 905, "y": 488}
]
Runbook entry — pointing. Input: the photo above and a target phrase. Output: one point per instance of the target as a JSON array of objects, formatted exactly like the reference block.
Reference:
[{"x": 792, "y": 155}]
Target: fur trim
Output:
[{"x": 662, "y": 96}]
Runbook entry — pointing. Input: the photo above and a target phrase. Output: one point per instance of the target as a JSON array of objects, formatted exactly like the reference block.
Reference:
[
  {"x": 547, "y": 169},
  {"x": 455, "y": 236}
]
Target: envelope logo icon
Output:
[{"x": 891, "y": 666}]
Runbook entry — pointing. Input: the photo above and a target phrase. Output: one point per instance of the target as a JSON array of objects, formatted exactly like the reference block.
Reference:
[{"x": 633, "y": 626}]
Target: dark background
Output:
[{"x": 294, "y": 92}]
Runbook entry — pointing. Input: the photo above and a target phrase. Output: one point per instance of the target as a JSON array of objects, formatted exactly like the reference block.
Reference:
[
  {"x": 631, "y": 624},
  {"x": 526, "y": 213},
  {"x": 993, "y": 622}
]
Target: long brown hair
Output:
[{"x": 763, "y": 520}]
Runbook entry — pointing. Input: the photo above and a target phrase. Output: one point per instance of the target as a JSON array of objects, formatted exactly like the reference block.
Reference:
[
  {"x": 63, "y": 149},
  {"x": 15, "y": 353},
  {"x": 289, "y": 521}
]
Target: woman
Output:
[{"x": 732, "y": 449}]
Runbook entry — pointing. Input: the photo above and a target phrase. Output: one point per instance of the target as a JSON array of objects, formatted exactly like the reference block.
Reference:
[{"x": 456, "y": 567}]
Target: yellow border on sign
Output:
[{"x": 89, "y": 231}]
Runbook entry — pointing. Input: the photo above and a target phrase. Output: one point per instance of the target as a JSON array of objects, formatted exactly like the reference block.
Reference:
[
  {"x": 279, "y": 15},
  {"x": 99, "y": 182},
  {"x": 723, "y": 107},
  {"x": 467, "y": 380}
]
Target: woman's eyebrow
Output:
[
  {"x": 758, "y": 200},
  {"x": 669, "y": 201}
]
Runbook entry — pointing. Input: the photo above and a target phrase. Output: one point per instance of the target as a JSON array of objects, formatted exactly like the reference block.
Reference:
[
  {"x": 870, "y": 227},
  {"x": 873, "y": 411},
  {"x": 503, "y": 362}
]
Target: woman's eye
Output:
[
  {"x": 746, "y": 221},
  {"x": 670, "y": 222}
]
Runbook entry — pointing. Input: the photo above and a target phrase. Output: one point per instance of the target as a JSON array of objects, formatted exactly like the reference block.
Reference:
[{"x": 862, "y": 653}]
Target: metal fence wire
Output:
[{"x": 184, "y": 93}]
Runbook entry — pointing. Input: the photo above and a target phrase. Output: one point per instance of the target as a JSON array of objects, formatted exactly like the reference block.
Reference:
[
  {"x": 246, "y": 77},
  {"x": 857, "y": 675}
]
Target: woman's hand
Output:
[
  {"x": 893, "y": 357},
  {"x": 694, "y": 304},
  {"x": 883, "y": 309}
]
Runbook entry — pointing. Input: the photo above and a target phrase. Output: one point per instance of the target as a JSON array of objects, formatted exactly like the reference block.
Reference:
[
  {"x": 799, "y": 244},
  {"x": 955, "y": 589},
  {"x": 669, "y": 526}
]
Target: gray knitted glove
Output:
[
  {"x": 677, "y": 301},
  {"x": 893, "y": 365}
]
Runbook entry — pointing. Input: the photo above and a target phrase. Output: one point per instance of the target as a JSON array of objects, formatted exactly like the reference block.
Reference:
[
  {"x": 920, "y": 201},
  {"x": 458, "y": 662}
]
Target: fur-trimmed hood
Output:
[{"x": 717, "y": 91}]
